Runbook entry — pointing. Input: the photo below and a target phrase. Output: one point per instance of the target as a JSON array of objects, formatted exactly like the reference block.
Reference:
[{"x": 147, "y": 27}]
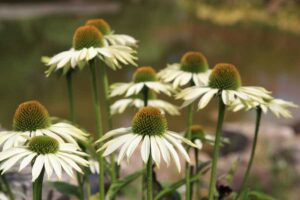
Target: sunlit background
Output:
[{"x": 261, "y": 37}]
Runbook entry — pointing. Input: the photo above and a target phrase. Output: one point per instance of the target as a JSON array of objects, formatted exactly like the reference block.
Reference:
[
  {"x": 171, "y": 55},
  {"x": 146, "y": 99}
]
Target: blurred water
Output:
[{"x": 264, "y": 57}]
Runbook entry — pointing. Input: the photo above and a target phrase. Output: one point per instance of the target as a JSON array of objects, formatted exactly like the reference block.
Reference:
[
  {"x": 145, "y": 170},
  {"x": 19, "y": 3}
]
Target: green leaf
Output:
[
  {"x": 118, "y": 185},
  {"x": 256, "y": 195},
  {"x": 66, "y": 188},
  {"x": 181, "y": 182}
]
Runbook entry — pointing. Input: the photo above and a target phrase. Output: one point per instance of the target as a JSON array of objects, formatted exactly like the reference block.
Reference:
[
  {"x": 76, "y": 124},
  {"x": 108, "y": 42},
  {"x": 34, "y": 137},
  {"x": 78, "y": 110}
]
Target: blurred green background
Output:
[{"x": 261, "y": 37}]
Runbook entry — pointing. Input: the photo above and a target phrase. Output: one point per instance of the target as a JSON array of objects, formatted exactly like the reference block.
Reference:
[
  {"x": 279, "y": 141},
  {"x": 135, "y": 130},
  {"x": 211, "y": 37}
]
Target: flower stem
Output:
[
  {"x": 197, "y": 183},
  {"x": 213, "y": 176},
  {"x": 188, "y": 192},
  {"x": 113, "y": 167},
  {"x": 37, "y": 187},
  {"x": 145, "y": 98},
  {"x": 72, "y": 118},
  {"x": 149, "y": 178},
  {"x": 7, "y": 187},
  {"x": 99, "y": 131},
  {"x": 257, "y": 125}
]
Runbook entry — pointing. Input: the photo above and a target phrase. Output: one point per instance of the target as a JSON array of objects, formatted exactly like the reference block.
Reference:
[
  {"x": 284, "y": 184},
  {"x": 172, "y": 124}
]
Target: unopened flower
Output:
[
  {"x": 193, "y": 67},
  {"x": 44, "y": 152},
  {"x": 225, "y": 81},
  {"x": 143, "y": 77},
  {"x": 149, "y": 128},
  {"x": 109, "y": 36},
  {"x": 278, "y": 107},
  {"x": 88, "y": 45},
  {"x": 32, "y": 119},
  {"x": 136, "y": 101}
]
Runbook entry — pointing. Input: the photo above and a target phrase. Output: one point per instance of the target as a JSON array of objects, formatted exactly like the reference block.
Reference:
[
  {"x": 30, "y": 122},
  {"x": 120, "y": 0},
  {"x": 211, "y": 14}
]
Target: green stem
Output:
[
  {"x": 149, "y": 178},
  {"x": 145, "y": 92},
  {"x": 213, "y": 176},
  {"x": 7, "y": 187},
  {"x": 99, "y": 132},
  {"x": 197, "y": 183},
  {"x": 188, "y": 192},
  {"x": 113, "y": 167},
  {"x": 257, "y": 125},
  {"x": 37, "y": 187},
  {"x": 70, "y": 96},
  {"x": 72, "y": 118}
]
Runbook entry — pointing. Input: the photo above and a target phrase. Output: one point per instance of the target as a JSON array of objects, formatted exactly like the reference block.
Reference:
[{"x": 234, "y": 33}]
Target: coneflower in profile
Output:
[
  {"x": 110, "y": 38},
  {"x": 32, "y": 119},
  {"x": 149, "y": 128}
]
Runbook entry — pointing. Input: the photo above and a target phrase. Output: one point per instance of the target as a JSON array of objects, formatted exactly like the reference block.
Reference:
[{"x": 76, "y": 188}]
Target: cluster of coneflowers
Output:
[{"x": 53, "y": 147}]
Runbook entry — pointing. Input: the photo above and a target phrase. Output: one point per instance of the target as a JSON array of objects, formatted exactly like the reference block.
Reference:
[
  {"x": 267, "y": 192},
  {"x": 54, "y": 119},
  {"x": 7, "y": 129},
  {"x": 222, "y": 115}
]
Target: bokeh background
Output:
[{"x": 261, "y": 37}]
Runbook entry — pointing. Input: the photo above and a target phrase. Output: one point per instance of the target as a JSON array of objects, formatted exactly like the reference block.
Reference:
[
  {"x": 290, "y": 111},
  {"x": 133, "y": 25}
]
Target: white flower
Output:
[
  {"x": 224, "y": 81},
  {"x": 193, "y": 68},
  {"x": 109, "y": 36},
  {"x": 32, "y": 119},
  {"x": 88, "y": 45},
  {"x": 143, "y": 77},
  {"x": 149, "y": 128},
  {"x": 278, "y": 107},
  {"x": 120, "y": 105},
  {"x": 3, "y": 196},
  {"x": 44, "y": 152}
]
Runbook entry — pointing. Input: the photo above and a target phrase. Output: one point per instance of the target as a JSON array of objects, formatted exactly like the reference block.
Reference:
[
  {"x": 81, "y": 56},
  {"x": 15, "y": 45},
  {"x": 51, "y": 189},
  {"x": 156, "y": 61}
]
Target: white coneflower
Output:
[
  {"x": 278, "y": 107},
  {"x": 88, "y": 45},
  {"x": 193, "y": 67},
  {"x": 144, "y": 77},
  {"x": 109, "y": 36},
  {"x": 149, "y": 128},
  {"x": 224, "y": 80},
  {"x": 32, "y": 119},
  {"x": 137, "y": 101},
  {"x": 44, "y": 152}
]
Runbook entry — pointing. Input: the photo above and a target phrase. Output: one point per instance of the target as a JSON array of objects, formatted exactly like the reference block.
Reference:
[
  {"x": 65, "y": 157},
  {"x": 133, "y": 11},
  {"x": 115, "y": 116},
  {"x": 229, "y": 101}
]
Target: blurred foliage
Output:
[{"x": 280, "y": 14}]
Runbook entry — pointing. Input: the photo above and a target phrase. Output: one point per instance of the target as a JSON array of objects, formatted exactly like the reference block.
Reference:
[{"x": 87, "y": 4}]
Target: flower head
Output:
[
  {"x": 192, "y": 69},
  {"x": 149, "y": 128},
  {"x": 142, "y": 77},
  {"x": 32, "y": 119},
  {"x": 225, "y": 82},
  {"x": 30, "y": 116},
  {"x": 194, "y": 62},
  {"x": 100, "y": 24},
  {"x": 44, "y": 152},
  {"x": 86, "y": 37},
  {"x": 225, "y": 77},
  {"x": 149, "y": 121},
  {"x": 144, "y": 74}
]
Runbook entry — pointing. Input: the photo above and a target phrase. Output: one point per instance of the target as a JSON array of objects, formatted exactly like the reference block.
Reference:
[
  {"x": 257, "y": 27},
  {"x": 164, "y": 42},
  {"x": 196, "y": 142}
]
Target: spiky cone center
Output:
[
  {"x": 144, "y": 74},
  {"x": 194, "y": 62},
  {"x": 149, "y": 121},
  {"x": 197, "y": 132},
  {"x": 31, "y": 116},
  {"x": 100, "y": 24},
  {"x": 43, "y": 145},
  {"x": 225, "y": 77},
  {"x": 86, "y": 37}
]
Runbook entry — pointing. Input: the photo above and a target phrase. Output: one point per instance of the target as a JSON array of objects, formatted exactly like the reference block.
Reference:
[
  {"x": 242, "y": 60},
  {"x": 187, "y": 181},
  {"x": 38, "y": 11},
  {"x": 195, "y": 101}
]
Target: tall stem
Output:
[
  {"x": 113, "y": 167},
  {"x": 257, "y": 125},
  {"x": 7, "y": 187},
  {"x": 213, "y": 176},
  {"x": 99, "y": 131},
  {"x": 145, "y": 98},
  {"x": 149, "y": 178},
  {"x": 37, "y": 187},
  {"x": 188, "y": 192},
  {"x": 69, "y": 79},
  {"x": 70, "y": 96},
  {"x": 197, "y": 183}
]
